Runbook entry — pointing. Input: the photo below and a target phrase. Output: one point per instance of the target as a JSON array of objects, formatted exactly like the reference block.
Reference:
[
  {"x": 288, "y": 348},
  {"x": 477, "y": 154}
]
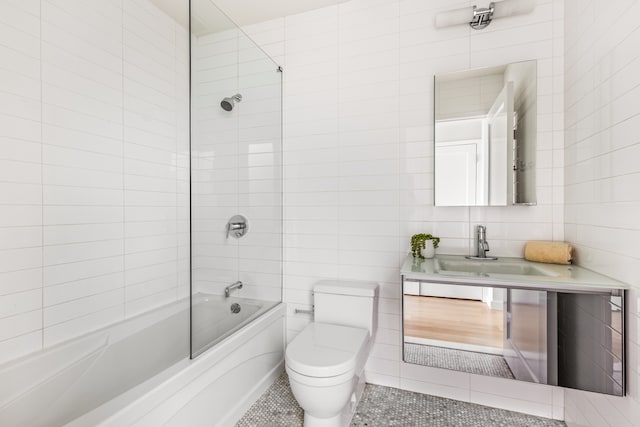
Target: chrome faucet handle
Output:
[{"x": 237, "y": 226}]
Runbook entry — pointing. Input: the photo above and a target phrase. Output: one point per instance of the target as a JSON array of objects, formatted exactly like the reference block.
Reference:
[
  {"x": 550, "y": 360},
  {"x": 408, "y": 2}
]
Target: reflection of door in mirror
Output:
[
  {"x": 459, "y": 184},
  {"x": 474, "y": 156},
  {"x": 500, "y": 125},
  {"x": 477, "y": 112},
  {"x": 462, "y": 170}
]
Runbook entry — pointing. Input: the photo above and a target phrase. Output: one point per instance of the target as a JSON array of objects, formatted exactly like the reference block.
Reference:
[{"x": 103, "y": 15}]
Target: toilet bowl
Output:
[
  {"x": 325, "y": 362},
  {"x": 322, "y": 364}
]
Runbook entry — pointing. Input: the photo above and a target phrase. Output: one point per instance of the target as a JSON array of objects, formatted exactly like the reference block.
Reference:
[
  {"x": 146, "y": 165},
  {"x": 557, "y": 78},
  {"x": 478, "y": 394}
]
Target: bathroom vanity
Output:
[{"x": 551, "y": 324}]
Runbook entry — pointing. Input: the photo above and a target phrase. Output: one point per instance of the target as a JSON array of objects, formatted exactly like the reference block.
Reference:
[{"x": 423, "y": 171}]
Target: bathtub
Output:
[{"x": 138, "y": 372}]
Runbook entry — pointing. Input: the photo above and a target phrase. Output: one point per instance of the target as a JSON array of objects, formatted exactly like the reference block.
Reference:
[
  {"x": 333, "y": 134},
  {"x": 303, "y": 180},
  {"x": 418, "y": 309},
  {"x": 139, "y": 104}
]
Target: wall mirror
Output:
[
  {"x": 572, "y": 340},
  {"x": 485, "y": 136}
]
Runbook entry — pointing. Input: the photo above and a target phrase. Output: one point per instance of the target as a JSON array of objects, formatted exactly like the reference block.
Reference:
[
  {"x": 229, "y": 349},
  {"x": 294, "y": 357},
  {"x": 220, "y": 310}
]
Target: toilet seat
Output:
[{"x": 326, "y": 351}]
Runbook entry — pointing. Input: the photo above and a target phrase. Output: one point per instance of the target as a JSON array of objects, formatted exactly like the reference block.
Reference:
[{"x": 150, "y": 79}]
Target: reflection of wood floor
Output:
[{"x": 457, "y": 320}]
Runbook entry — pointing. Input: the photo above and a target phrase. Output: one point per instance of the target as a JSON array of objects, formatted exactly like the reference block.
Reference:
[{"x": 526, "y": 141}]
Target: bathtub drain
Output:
[{"x": 235, "y": 307}]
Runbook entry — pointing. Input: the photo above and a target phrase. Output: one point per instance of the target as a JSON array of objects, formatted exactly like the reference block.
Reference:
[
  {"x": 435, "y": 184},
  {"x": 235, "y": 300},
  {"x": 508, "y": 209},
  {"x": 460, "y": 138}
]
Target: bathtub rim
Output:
[{"x": 126, "y": 327}]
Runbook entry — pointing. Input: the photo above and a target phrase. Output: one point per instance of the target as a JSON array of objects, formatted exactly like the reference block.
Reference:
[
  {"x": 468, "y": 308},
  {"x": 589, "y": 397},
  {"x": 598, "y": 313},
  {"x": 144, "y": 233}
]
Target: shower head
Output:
[{"x": 228, "y": 103}]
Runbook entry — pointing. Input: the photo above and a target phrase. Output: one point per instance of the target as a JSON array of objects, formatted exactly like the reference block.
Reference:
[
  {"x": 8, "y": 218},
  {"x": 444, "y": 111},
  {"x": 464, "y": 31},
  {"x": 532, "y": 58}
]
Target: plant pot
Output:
[{"x": 429, "y": 251}]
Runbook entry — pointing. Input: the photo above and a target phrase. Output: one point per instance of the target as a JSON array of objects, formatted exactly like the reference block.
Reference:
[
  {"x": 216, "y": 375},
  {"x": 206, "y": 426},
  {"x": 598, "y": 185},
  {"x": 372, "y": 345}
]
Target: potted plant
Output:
[{"x": 420, "y": 248}]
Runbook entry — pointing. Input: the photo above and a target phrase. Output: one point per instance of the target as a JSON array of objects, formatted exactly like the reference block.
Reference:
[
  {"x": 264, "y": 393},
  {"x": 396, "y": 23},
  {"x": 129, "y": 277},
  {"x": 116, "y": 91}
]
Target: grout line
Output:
[
  {"x": 177, "y": 156},
  {"x": 124, "y": 191},
  {"x": 338, "y": 263},
  {"x": 190, "y": 169},
  {"x": 42, "y": 186},
  {"x": 399, "y": 145}
]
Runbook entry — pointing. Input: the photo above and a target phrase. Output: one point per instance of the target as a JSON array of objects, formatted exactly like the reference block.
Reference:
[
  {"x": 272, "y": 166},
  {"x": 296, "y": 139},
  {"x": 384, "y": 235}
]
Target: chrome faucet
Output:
[
  {"x": 482, "y": 246},
  {"x": 228, "y": 289}
]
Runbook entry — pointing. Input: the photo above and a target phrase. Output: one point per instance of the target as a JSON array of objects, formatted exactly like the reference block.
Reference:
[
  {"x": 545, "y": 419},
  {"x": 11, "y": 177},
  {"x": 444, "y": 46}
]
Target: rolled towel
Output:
[{"x": 549, "y": 252}]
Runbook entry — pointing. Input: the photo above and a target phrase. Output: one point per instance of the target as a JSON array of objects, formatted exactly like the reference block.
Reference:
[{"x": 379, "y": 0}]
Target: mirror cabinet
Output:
[{"x": 485, "y": 136}]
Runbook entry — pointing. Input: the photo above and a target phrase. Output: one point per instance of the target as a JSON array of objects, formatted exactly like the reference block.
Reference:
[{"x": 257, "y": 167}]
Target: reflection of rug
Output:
[{"x": 458, "y": 360}]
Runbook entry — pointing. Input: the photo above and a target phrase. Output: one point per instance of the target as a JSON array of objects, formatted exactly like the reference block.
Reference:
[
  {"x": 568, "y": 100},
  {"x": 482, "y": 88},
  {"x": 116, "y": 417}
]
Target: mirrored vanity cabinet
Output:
[{"x": 551, "y": 324}]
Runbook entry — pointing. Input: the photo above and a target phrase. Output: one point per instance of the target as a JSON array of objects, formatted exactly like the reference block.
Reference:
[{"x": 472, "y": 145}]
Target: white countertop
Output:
[{"x": 570, "y": 278}]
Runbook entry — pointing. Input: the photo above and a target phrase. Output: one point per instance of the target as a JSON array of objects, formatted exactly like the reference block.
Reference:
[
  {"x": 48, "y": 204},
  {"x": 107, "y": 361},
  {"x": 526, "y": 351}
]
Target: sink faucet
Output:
[
  {"x": 482, "y": 246},
  {"x": 228, "y": 289}
]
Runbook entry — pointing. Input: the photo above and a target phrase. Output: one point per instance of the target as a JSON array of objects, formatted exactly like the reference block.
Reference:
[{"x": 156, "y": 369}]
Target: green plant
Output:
[{"x": 418, "y": 242}]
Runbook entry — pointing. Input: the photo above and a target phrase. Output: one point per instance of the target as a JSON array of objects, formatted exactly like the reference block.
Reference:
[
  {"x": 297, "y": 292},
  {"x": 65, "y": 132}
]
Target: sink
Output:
[
  {"x": 518, "y": 268},
  {"x": 506, "y": 272}
]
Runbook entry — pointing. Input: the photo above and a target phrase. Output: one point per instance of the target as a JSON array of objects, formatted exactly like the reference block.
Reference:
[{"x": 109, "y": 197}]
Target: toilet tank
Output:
[{"x": 349, "y": 303}]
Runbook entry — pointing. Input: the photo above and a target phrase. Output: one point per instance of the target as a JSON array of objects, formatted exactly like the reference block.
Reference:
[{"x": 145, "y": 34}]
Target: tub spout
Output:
[{"x": 228, "y": 289}]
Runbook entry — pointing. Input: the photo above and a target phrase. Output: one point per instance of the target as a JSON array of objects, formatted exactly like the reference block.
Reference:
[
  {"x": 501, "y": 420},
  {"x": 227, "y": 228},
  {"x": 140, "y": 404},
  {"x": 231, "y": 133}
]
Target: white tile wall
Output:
[
  {"x": 156, "y": 162},
  {"x": 94, "y": 167},
  {"x": 215, "y": 160},
  {"x": 602, "y": 175},
  {"x": 237, "y": 166},
  {"x": 20, "y": 179},
  {"x": 358, "y": 161}
]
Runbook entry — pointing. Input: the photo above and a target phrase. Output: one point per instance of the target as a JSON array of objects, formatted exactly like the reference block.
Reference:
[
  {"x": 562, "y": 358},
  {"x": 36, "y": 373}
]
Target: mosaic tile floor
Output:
[
  {"x": 388, "y": 407},
  {"x": 458, "y": 360}
]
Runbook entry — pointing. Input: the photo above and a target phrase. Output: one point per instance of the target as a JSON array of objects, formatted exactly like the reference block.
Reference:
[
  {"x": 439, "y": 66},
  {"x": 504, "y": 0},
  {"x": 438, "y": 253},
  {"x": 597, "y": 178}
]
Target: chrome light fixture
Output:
[
  {"x": 479, "y": 18},
  {"x": 482, "y": 17}
]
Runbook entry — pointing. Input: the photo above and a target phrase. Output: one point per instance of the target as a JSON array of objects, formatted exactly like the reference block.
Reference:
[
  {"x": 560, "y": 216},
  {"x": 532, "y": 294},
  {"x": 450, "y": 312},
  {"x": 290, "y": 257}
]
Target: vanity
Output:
[
  {"x": 560, "y": 325},
  {"x": 551, "y": 324}
]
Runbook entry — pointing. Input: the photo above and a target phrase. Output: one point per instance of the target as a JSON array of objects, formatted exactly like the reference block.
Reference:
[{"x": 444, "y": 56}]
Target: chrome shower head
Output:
[{"x": 227, "y": 104}]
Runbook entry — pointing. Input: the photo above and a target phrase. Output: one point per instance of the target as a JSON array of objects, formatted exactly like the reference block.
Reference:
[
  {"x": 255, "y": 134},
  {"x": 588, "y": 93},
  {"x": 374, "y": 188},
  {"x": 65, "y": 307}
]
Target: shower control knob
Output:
[{"x": 237, "y": 226}]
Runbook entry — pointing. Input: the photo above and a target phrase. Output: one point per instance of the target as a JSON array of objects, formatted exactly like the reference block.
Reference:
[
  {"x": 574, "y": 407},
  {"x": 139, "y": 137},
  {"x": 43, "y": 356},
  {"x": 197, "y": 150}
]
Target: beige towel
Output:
[{"x": 549, "y": 252}]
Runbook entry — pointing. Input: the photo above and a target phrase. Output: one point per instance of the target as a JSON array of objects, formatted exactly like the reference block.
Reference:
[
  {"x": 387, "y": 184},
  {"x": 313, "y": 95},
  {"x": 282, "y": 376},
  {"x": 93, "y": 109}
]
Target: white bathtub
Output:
[{"x": 138, "y": 372}]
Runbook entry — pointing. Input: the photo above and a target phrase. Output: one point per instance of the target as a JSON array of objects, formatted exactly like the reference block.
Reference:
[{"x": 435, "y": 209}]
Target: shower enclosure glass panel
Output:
[{"x": 236, "y": 197}]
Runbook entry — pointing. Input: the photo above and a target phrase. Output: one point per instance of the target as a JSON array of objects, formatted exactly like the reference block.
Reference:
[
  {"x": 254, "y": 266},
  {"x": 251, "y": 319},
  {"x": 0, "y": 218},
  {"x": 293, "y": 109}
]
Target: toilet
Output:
[{"x": 325, "y": 362}]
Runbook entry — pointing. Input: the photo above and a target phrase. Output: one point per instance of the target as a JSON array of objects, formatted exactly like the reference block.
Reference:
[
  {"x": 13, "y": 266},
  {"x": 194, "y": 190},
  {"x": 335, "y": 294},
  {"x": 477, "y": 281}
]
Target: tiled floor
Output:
[
  {"x": 387, "y": 407},
  {"x": 276, "y": 407}
]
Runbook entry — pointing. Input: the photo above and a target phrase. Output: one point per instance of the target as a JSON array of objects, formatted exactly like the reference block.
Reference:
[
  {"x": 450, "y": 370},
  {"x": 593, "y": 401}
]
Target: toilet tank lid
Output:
[{"x": 346, "y": 287}]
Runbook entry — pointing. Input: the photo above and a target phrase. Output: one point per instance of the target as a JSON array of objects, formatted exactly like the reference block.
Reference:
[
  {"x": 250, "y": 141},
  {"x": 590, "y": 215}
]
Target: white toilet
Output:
[{"x": 325, "y": 362}]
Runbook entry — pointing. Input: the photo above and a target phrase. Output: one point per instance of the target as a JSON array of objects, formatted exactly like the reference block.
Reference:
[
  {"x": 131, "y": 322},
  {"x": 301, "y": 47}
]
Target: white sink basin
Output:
[{"x": 517, "y": 268}]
